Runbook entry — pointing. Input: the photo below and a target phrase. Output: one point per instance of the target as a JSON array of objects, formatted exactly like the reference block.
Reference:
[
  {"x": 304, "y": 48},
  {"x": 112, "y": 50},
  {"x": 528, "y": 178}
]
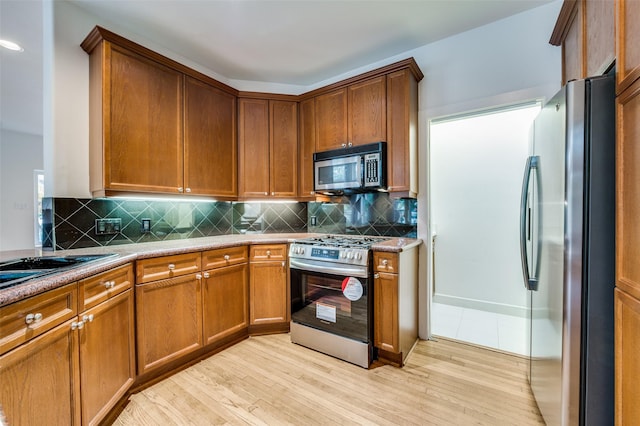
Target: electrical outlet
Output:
[
  {"x": 314, "y": 221},
  {"x": 145, "y": 226},
  {"x": 108, "y": 226}
]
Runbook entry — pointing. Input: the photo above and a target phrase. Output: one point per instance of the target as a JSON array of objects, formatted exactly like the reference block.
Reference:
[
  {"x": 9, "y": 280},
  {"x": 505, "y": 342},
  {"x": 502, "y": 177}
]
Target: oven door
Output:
[
  {"x": 331, "y": 298},
  {"x": 338, "y": 173}
]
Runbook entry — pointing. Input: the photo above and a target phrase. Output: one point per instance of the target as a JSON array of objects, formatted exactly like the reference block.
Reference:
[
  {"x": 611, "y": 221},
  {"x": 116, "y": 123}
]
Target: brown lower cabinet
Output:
[
  {"x": 627, "y": 353},
  {"x": 168, "y": 320},
  {"x": 269, "y": 288},
  {"x": 40, "y": 380},
  {"x": 75, "y": 372}
]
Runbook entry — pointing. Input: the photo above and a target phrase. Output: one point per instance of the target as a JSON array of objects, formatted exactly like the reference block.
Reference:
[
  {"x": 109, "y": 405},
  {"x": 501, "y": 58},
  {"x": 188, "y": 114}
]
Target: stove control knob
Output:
[
  {"x": 349, "y": 255},
  {"x": 343, "y": 254},
  {"x": 359, "y": 256}
]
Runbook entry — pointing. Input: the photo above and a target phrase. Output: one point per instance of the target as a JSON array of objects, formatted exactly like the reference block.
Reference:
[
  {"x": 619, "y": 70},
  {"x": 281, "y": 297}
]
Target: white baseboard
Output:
[{"x": 482, "y": 305}]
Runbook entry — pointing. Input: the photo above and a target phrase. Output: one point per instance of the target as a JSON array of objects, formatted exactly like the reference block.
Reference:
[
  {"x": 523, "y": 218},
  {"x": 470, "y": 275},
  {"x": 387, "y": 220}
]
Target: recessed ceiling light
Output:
[{"x": 11, "y": 45}]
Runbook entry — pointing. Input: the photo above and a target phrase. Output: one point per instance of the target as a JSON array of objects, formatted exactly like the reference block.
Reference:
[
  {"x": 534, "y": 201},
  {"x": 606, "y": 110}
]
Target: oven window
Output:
[{"x": 322, "y": 301}]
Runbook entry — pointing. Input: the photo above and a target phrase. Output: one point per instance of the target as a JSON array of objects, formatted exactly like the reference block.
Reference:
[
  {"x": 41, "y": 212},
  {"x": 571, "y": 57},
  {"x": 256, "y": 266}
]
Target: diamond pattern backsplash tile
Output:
[
  {"x": 365, "y": 214},
  {"x": 70, "y": 223}
]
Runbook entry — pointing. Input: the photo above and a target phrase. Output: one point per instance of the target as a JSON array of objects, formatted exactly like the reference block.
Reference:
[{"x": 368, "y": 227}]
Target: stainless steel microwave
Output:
[{"x": 354, "y": 169}]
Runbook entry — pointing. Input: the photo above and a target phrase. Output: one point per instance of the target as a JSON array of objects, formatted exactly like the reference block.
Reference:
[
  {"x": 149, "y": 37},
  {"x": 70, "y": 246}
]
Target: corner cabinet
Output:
[
  {"x": 156, "y": 126},
  {"x": 395, "y": 312},
  {"x": 268, "y": 148}
]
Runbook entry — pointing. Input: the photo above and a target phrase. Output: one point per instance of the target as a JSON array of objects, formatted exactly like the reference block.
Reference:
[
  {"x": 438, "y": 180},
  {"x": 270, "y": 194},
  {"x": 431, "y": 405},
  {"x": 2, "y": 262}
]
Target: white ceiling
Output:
[{"x": 297, "y": 42}]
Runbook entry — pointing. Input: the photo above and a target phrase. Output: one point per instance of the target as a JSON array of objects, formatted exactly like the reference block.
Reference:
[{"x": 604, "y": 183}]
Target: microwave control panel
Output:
[{"x": 372, "y": 169}]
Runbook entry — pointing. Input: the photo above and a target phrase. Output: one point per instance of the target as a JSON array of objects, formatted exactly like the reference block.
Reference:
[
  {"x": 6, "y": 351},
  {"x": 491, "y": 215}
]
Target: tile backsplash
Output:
[{"x": 70, "y": 223}]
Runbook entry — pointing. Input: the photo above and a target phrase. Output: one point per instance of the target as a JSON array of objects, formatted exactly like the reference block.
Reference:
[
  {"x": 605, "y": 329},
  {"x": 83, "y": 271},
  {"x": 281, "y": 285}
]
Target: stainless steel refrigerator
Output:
[{"x": 568, "y": 253}]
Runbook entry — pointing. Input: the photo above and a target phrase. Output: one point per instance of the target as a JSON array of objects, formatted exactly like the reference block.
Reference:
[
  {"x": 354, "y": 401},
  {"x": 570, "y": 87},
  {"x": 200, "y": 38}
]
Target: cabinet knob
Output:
[
  {"x": 376, "y": 276},
  {"x": 206, "y": 275},
  {"x": 109, "y": 284},
  {"x": 180, "y": 189},
  {"x": 385, "y": 262},
  {"x": 33, "y": 318},
  {"x": 198, "y": 276},
  {"x": 227, "y": 257},
  {"x": 172, "y": 266},
  {"x": 77, "y": 325},
  {"x": 87, "y": 318},
  {"x": 350, "y": 144},
  {"x": 284, "y": 264},
  {"x": 344, "y": 145},
  {"x": 273, "y": 193},
  {"x": 268, "y": 253},
  {"x": 188, "y": 189}
]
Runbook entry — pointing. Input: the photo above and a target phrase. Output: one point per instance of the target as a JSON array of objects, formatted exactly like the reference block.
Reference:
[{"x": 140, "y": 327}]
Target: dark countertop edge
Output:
[{"x": 131, "y": 252}]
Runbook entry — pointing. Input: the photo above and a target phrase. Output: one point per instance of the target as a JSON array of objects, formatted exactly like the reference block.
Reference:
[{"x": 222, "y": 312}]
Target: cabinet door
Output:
[
  {"x": 283, "y": 136},
  {"x": 367, "y": 109},
  {"x": 402, "y": 137},
  {"x": 573, "y": 58},
  {"x": 40, "y": 383},
  {"x": 225, "y": 301},
  {"x": 331, "y": 120},
  {"x": 628, "y": 191},
  {"x": 307, "y": 144},
  {"x": 107, "y": 356},
  {"x": 268, "y": 293},
  {"x": 627, "y": 350},
  {"x": 385, "y": 312},
  {"x": 253, "y": 147},
  {"x": 168, "y": 320},
  {"x": 210, "y": 151},
  {"x": 599, "y": 34},
  {"x": 627, "y": 42},
  {"x": 142, "y": 125}
]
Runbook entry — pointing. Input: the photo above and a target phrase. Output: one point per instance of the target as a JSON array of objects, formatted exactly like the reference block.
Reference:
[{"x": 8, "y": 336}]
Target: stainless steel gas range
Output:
[{"x": 331, "y": 295}]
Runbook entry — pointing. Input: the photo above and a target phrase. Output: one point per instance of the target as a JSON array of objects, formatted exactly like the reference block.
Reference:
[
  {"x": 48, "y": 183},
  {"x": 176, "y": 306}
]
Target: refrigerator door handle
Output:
[{"x": 530, "y": 283}]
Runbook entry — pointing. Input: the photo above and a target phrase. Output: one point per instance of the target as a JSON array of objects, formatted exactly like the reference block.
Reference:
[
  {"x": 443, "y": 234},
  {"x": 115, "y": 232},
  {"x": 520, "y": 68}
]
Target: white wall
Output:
[{"x": 20, "y": 155}]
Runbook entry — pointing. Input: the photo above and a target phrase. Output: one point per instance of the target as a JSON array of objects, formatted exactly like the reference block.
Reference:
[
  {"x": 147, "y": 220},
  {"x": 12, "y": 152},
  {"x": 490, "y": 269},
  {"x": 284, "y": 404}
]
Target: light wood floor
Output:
[{"x": 268, "y": 380}]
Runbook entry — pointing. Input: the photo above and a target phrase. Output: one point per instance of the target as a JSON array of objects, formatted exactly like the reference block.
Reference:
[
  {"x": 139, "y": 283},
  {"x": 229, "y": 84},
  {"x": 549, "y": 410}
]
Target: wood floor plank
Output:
[{"x": 267, "y": 380}]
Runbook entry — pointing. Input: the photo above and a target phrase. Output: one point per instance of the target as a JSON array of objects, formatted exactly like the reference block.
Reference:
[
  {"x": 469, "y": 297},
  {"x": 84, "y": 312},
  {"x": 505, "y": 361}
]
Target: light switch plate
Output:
[{"x": 108, "y": 226}]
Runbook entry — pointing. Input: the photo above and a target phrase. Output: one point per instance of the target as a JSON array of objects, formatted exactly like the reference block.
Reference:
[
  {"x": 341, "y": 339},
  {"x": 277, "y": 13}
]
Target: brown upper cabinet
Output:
[
  {"x": 585, "y": 30},
  {"x": 352, "y": 115},
  {"x": 156, "y": 126},
  {"x": 268, "y": 147},
  {"x": 627, "y": 43},
  {"x": 381, "y": 105},
  {"x": 159, "y": 127}
]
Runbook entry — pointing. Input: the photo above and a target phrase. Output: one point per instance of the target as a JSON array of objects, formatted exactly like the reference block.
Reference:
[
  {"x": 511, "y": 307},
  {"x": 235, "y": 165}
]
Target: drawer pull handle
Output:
[
  {"x": 172, "y": 266},
  {"x": 227, "y": 257},
  {"x": 268, "y": 253},
  {"x": 110, "y": 284},
  {"x": 385, "y": 262},
  {"x": 33, "y": 318},
  {"x": 87, "y": 318}
]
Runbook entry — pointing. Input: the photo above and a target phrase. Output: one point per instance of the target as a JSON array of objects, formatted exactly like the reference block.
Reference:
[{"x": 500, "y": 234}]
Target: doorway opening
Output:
[{"x": 476, "y": 166}]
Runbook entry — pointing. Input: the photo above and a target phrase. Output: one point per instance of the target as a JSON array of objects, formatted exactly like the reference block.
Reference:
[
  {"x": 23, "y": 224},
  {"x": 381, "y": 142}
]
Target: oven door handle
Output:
[{"x": 345, "y": 271}]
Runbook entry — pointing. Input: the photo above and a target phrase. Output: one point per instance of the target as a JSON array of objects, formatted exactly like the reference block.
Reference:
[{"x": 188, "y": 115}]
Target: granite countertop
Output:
[{"x": 131, "y": 252}]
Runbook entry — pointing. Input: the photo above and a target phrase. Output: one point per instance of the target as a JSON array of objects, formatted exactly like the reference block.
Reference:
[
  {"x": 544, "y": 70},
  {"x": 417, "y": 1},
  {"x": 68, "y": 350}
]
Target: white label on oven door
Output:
[
  {"x": 352, "y": 288},
  {"x": 325, "y": 312}
]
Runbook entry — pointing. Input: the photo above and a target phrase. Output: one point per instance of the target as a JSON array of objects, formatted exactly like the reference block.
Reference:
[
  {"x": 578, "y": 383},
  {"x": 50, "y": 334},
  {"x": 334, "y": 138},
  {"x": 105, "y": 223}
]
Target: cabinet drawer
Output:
[
  {"x": 268, "y": 252},
  {"x": 385, "y": 262},
  {"x": 218, "y": 258},
  {"x": 31, "y": 317},
  {"x": 101, "y": 287},
  {"x": 160, "y": 268}
]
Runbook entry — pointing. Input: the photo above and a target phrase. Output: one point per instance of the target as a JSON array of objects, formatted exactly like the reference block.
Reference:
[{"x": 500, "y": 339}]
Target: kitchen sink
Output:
[{"x": 18, "y": 271}]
